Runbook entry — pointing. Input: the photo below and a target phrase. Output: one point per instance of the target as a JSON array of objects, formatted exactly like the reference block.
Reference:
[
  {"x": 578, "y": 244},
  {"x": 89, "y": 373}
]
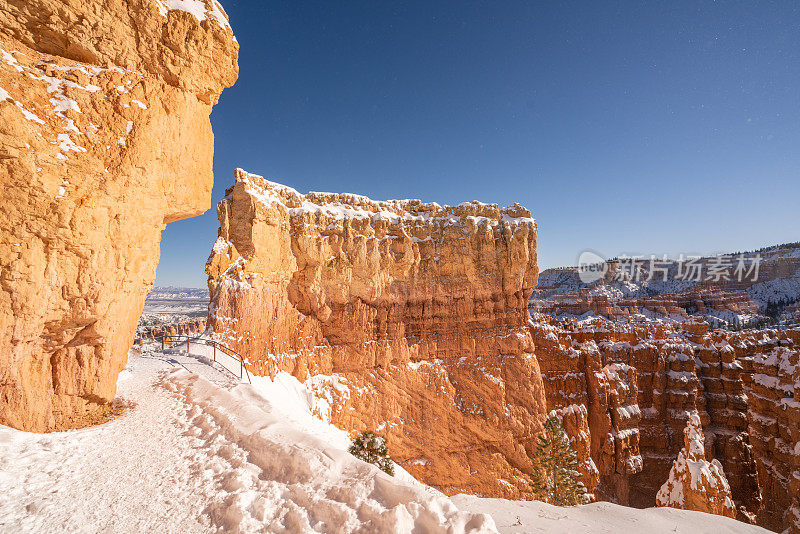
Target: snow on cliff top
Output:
[
  {"x": 351, "y": 206},
  {"x": 196, "y": 8}
]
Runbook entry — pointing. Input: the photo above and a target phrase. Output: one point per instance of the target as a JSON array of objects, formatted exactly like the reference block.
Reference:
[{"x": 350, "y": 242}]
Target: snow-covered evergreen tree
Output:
[
  {"x": 372, "y": 449},
  {"x": 555, "y": 478}
]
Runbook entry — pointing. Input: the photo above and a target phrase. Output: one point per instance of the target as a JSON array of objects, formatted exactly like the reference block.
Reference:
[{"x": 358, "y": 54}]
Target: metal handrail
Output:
[{"x": 165, "y": 338}]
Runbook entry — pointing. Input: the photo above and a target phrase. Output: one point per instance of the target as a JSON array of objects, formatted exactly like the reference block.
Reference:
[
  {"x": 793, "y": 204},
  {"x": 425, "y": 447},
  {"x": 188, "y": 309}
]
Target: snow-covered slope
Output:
[
  {"x": 199, "y": 451},
  {"x": 601, "y": 517},
  {"x": 293, "y": 470}
]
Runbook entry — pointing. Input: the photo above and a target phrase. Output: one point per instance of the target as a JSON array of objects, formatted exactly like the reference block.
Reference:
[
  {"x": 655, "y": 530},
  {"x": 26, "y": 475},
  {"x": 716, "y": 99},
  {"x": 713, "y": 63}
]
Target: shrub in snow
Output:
[
  {"x": 372, "y": 449},
  {"x": 555, "y": 478}
]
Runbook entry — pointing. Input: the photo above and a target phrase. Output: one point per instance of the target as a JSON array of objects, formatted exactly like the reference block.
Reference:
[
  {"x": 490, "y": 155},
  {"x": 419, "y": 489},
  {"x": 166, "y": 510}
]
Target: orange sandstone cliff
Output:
[
  {"x": 104, "y": 139},
  {"x": 407, "y": 318}
]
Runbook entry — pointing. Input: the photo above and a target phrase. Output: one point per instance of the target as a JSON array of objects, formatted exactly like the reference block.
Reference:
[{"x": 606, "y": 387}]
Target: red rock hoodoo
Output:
[
  {"x": 695, "y": 483},
  {"x": 634, "y": 386}
]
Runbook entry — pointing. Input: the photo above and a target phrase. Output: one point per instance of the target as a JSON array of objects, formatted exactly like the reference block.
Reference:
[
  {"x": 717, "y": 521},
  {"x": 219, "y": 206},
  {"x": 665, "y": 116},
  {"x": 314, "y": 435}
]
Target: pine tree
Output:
[
  {"x": 372, "y": 449},
  {"x": 555, "y": 478}
]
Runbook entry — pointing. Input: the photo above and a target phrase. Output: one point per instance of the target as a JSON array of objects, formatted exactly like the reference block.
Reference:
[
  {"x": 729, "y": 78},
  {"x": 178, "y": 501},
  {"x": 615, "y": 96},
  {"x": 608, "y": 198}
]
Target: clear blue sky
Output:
[{"x": 625, "y": 127}]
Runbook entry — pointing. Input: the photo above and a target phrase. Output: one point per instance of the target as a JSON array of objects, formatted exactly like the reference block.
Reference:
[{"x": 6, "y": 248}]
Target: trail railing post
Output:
[{"x": 215, "y": 352}]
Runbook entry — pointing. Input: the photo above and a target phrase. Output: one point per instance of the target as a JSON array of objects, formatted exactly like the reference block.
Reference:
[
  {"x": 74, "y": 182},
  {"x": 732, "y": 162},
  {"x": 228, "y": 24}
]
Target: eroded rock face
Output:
[
  {"x": 598, "y": 397},
  {"x": 695, "y": 483},
  {"x": 104, "y": 138},
  {"x": 407, "y": 318},
  {"x": 632, "y": 386}
]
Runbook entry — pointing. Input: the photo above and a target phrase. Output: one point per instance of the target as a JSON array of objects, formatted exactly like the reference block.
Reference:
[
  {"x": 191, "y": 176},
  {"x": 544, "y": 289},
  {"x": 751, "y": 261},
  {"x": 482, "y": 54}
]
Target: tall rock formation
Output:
[
  {"x": 695, "y": 483},
  {"x": 104, "y": 138},
  {"x": 406, "y": 318},
  {"x": 597, "y": 392}
]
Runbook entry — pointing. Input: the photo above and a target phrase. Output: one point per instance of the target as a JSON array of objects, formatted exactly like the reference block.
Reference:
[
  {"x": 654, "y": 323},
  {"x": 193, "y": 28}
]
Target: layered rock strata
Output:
[
  {"x": 695, "y": 483},
  {"x": 733, "y": 288},
  {"x": 597, "y": 396},
  {"x": 104, "y": 138},
  {"x": 406, "y": 318},
  {"x": 771, "y": 372}
]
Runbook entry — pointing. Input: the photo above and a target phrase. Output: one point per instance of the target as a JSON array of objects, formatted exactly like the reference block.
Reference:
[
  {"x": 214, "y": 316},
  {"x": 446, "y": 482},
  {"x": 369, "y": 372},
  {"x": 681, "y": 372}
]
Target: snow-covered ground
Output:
[
  {"x": 200, "y": 451},
  {"x": 600, "y": 517}
]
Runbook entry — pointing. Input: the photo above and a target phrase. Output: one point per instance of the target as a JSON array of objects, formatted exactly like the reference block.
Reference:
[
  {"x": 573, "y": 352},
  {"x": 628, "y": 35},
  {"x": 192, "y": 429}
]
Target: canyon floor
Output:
[{"x": 197, "y": 450}]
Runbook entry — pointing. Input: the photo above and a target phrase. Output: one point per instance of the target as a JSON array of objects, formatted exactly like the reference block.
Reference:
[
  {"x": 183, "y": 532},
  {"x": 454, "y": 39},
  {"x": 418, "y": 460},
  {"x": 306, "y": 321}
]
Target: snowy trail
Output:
[
  {"x": 202, "y": 452},
  {"x": 529, "y": 517},
  {"x": 128, "y": 475}
]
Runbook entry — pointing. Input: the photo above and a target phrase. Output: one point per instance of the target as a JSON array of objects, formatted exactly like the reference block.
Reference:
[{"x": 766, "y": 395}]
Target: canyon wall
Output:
[
  {"x": 404, "y": 317},
  {"x": 743, "y": 386},
  {"x": 104, "y": 139},
  {"x": 771, "y": 373}
]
